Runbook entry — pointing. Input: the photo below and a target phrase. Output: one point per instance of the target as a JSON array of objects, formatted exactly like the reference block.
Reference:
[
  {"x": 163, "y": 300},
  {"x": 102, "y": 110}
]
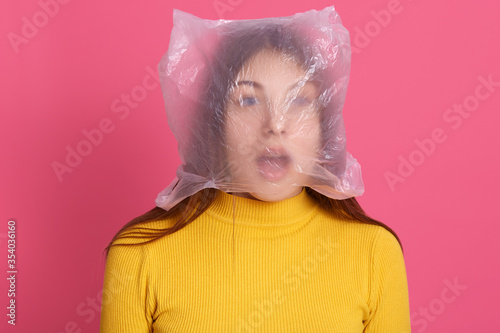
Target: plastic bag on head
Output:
[{"x": 256, "y": 106}]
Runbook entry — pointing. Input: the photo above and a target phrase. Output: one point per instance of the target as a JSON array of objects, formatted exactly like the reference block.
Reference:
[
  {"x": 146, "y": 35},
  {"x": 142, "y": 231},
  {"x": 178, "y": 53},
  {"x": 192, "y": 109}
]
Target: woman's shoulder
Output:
[
  {"x": 371, "y": 236},
  {"x": 376, "y": 240},
  {"x": 141, "y": 236},
  {"x": 378, "y": 237}
]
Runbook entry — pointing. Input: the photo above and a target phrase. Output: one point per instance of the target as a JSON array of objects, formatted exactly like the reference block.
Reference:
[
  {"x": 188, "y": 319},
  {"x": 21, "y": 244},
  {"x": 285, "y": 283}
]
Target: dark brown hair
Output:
[
  {"x": 240, "y": 43},
  {"x": 192, "y": 207}
]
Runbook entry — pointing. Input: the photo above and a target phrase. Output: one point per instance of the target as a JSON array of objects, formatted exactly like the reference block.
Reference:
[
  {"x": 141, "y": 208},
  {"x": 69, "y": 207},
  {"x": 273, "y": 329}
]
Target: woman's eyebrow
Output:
[
  {"x": 251, "y": 83},
  {"x": 259, "y": 86}
]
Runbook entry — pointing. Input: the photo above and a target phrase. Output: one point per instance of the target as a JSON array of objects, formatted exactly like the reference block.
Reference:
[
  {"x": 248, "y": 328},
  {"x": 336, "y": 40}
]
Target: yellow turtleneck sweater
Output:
[{"x": 296, "y": 268}]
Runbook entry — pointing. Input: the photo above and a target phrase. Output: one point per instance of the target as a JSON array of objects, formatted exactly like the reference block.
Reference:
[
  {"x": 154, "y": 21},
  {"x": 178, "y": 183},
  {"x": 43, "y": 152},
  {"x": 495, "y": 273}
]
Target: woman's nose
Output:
[{"x": 274, "y": 121}]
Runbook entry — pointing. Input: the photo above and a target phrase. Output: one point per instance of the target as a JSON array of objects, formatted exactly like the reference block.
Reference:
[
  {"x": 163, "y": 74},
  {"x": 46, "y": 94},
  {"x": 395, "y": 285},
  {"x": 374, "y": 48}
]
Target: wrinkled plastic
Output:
[{"x": 256, "y": 105}]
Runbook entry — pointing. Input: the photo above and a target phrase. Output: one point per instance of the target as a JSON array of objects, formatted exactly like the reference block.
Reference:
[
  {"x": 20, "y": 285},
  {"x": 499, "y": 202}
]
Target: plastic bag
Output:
[{"x": 256, "y": 106}]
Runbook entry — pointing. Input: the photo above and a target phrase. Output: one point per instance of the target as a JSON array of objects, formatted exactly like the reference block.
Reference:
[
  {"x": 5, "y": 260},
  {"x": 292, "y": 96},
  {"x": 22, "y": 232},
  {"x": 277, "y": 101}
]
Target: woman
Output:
[{"x": 260, "y": 231}]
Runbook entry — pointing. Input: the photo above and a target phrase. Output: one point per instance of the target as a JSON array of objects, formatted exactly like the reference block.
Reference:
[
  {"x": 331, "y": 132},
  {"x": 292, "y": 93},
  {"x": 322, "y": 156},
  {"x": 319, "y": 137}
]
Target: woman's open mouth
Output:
[{"x": 273, "y": 165}]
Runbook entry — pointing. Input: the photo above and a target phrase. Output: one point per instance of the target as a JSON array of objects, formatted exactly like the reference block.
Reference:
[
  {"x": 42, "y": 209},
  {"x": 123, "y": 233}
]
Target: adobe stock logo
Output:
[
  {"x": 454, "y": 117},
  {"x": 222, "y": 6},
  {"x": 92, "y": 138},
  {"x": 29, "y": 29},
  {"x": 381, "y": 19},
  {"x": 292, "y": 280},
  {"x": 420, "y": 320}
]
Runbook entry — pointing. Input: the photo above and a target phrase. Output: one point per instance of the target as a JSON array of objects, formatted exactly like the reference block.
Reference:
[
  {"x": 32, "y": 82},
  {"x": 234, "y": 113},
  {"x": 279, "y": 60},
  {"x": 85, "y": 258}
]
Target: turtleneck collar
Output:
[{"x": 261, "y": 213}]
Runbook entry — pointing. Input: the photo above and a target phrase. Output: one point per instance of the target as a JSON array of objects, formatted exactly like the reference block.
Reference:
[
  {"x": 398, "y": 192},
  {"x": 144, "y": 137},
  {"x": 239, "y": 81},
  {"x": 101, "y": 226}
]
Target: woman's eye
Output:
[{"x": 248, "y": 101}]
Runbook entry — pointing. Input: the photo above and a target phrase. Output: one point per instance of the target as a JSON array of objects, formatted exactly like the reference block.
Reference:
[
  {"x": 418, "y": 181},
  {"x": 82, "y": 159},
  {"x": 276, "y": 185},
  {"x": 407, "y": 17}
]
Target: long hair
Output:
[
  {"x": 192, "y": 207},
  {"x": 239, "y": 44}
]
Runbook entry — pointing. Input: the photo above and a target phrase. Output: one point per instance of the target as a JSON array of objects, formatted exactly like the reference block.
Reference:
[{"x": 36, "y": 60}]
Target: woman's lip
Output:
[{"x": 273, "y": 165}]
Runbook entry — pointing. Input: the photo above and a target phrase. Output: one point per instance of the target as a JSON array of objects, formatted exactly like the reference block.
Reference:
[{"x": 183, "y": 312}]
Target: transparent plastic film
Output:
[{"x": 256, "y": 106}]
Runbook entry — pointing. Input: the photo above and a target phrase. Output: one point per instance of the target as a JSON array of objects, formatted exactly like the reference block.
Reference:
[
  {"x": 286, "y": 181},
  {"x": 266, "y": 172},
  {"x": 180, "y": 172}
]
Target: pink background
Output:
[{"x": 407, "y": 72}]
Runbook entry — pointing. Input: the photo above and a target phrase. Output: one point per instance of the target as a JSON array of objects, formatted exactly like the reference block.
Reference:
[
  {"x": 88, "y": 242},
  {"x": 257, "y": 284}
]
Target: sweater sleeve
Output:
[
  {"x": 388, "y": 300},
  {"x": 125, "y": 298}
]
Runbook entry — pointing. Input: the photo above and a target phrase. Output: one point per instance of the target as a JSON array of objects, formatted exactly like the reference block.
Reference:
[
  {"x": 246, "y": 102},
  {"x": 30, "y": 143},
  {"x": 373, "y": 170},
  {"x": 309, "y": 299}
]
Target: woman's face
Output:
[{"x": 272, "y": 127}]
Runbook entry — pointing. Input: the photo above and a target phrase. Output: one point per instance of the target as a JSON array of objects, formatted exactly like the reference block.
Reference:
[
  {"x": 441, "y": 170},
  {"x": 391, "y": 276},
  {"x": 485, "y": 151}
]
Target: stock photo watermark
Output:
[
  {"x": 362, "y": 37},
  {"x": 90, "y": 309},
  {"x": 92, "y": 138},
  {"x": 420, "y": 319},
  {"x": 30, "y": 26},
  {"x": 11, "y": 271},
  {"x": 292, "y": 279},
  {"x": 454, "y": 117},
  {"x": 223, "y": 6}
]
